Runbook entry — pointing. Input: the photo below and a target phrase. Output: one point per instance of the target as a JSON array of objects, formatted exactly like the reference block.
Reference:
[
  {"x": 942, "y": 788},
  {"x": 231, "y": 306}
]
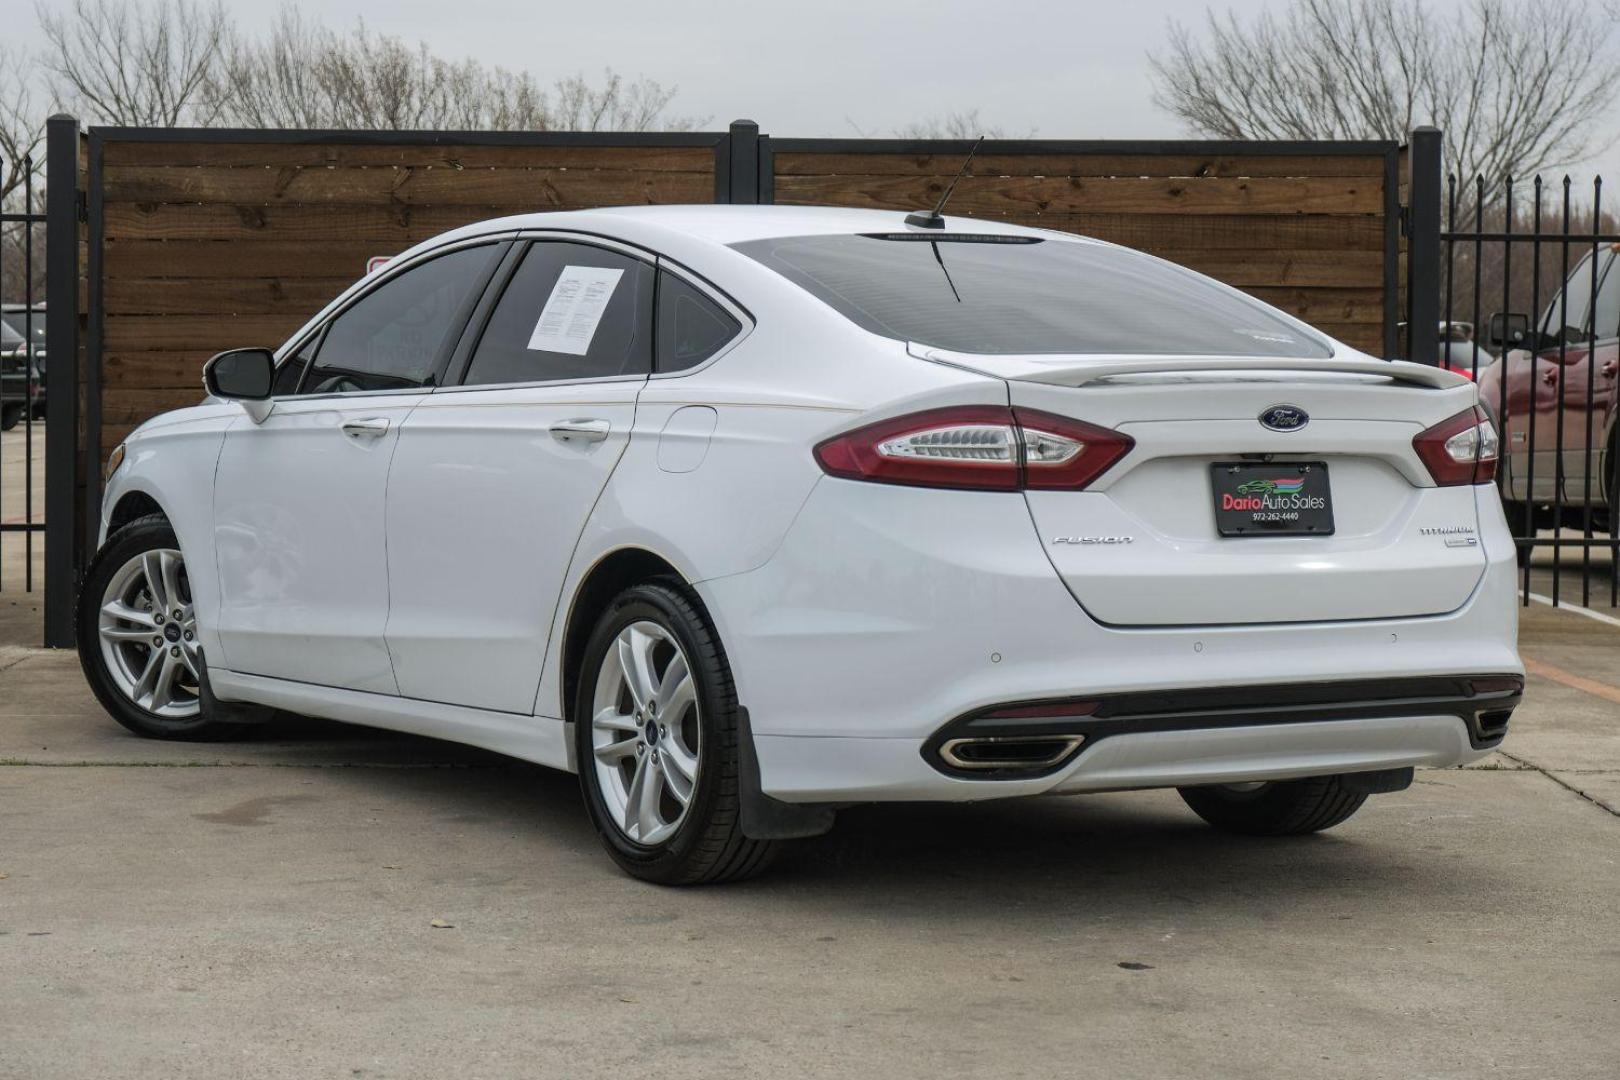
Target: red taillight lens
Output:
[
  {"x": 1064, "y": 453},
  {"x": 1462, "y": 449},
  {"x": 987, "y": 447}
]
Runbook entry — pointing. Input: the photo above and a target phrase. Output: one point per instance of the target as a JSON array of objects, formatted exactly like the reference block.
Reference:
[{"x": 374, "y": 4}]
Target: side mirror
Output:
[
  {"x": 245, "y": 375},
  {"x": 1508, "y": 331}
]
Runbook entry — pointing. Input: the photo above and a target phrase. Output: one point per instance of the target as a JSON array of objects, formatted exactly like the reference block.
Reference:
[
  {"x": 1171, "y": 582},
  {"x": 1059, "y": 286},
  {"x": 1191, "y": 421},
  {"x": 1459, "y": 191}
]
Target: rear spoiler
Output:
[{"x": 1068, "y": 370}]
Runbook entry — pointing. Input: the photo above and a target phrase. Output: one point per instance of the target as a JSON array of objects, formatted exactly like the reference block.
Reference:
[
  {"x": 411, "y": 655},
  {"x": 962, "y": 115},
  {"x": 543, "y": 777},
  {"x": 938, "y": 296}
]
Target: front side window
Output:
[
  {"x": 291, "y": 371},
  {"x": 1008, "y": 294},
  {"x": 570, "y": 311},
  {"x": 1606, "y": 309},
  {"x": 691, "y": 326},
  {"x": 394, "y": 336},
  {"x": 1565, "y": 317}
]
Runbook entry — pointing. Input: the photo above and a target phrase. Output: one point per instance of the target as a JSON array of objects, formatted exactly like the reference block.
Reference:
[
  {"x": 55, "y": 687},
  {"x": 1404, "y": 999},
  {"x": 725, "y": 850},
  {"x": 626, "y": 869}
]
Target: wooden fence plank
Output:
[
  {"x": 1195, "y": 232},
  {"x": 260, "y": 259},
  {"x": 534, "y": 189},
  {"x": 990, "y": 164},
  {"x": 1071, "y": 195},
  {"x": 154, "y": 370},
  {"x": 397, "y": 225},
  {"x": 695, "y": 159},
  {"x": 206, "y": 333},
  {"x": 222, "y": 296}
]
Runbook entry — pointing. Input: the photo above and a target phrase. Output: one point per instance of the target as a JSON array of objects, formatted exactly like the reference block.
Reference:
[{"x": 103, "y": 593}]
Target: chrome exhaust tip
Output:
[{"x": 1009, "y": 754}]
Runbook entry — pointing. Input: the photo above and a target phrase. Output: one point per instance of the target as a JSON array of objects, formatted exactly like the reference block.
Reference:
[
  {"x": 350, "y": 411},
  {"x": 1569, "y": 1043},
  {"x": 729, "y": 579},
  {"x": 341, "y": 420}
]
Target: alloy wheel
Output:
[
  {"x": 148, "y": 632},
  {"x": 646, "y": 734}
]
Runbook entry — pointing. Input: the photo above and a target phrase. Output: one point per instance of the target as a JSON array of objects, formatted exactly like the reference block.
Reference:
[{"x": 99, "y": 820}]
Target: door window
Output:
[
  {"x": 570, "y": 311},
  {"x": 1606, "y": 310},
  {"x": 1565, "y": 318},
  {"x": 691, "y": 327},
  {"x": 395, "y": 336}
]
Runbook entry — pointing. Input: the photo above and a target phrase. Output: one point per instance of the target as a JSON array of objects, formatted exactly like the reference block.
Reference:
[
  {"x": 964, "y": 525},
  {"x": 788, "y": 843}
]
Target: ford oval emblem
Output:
[{"x": 1285, "y": 418}]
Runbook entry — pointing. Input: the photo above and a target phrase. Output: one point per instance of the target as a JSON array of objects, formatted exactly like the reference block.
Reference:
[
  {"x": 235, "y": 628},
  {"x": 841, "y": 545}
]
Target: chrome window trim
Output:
[
  {"x": 363, "y": 288},
  {"x": 657, "y": 262}
]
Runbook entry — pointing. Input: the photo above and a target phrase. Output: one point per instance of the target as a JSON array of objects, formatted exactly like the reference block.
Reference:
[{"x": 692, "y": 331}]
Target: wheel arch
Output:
[
  {"x": 611, "y": 574},
  {"x": 131, "y": 505}
]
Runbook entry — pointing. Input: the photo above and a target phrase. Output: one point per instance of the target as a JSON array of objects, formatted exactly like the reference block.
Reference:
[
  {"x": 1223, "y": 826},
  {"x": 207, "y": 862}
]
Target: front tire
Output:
[
  {"x": 1275, "y": 808},
  {"x": 656, "y": 735},
  {"x": 137, "y": 635}
]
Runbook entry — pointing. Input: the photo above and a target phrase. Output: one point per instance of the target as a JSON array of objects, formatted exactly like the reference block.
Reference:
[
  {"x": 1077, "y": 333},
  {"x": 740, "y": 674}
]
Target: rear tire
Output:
[
  {"x": 9, "y": 416},
  {"x": 152, "y": 689},
  {"x": 1275, "y": 808},
  {"x": 656, "y": 723}
]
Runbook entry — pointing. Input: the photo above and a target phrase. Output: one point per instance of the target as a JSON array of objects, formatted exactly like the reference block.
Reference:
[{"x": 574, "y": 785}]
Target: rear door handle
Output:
[
  {"x": 372, "y": 427},
  {"x": 584, "y": 430}
]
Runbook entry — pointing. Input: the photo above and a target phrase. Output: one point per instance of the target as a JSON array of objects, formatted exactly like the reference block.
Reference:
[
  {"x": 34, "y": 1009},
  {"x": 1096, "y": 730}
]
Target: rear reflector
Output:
[
  {"x": 988, "y": 447},
  {"x": 1462, "y": 449}
]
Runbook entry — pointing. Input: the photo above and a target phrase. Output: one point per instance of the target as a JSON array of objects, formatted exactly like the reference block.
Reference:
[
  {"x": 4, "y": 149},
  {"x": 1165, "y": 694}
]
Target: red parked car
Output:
[{"x": 1558, "y": 429}]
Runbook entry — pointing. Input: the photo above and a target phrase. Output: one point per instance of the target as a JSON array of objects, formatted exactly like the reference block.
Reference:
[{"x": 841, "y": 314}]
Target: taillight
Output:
[
  {"x": 988, "y": 447},
  {"x": 1460, "y": 450}
]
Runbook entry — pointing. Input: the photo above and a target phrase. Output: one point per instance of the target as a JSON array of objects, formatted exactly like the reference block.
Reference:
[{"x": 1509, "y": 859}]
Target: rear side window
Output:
[
  {"x": 1001, "y": 294},
  {"x": 570, "y": 311},
  {"x": 691, "y": 326},
  {"x": 393, "y": 337}
]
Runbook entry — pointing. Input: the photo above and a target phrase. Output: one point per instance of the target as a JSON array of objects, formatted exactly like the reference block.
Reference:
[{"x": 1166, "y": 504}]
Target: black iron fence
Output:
[
  {"x": 23, "y": 398},
  {"x": 1530, "y": 309}
]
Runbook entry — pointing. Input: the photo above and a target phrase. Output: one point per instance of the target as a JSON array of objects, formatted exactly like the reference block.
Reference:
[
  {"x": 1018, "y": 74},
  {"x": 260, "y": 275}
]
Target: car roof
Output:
[{"x": 724, "y": 225}]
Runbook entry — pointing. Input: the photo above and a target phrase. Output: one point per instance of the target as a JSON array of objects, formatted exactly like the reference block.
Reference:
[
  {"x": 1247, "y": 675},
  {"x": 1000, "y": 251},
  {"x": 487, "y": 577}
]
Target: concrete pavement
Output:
[{"x": 266, "y": 909}]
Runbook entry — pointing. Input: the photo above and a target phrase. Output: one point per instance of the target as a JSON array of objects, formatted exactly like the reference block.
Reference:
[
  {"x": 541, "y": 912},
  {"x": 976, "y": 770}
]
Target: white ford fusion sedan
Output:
[{"x": 747, "y": 514}]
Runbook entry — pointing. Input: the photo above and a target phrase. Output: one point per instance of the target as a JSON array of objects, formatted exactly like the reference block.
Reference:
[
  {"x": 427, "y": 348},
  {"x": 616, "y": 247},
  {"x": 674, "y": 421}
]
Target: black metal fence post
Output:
[
  {"x": 62, "y": 377},
  {"x": 744, "y": 163},
  {"x": 1423, "y": 249}
]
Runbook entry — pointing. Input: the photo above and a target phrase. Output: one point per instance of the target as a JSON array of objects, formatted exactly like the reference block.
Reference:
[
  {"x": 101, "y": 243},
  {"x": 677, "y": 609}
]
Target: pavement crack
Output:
[{"x": 1571, "y": 788}]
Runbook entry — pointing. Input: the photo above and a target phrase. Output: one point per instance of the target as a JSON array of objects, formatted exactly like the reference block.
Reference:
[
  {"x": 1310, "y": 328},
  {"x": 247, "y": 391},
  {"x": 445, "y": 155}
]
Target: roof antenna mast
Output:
[{"x": 934, "y": 219}]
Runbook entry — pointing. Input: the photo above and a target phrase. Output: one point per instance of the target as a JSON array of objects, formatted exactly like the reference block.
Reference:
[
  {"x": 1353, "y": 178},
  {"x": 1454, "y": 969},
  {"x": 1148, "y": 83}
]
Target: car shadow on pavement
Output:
[{"x": 1127, "y": 855}]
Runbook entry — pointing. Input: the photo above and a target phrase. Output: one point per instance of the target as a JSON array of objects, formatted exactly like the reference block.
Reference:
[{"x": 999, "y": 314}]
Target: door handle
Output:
[
  {"x": 372, "y": 427},
  {"x": 585, "y": 430},
  {"x": 1550, "y": 378},
  {"x": 1610, "y": 368}
]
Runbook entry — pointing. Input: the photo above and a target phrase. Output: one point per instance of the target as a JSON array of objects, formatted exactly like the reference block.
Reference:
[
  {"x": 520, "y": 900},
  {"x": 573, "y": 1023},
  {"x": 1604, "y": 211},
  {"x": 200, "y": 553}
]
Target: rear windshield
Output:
[{"x": 1004, "y": 294}]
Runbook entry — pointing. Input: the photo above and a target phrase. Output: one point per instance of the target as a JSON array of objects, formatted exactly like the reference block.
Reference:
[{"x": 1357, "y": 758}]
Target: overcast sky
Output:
[{"x": 1059, "y": 68}]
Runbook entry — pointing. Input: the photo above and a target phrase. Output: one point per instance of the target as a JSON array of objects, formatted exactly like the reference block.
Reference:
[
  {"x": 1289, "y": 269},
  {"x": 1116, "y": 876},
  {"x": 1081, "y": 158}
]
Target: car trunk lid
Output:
[{"x": 1141, "y": 545}]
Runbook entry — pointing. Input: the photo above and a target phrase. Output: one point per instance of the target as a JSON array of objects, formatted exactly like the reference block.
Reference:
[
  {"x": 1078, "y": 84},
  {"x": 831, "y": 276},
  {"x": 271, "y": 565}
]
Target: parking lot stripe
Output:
[
  {"x": 1578, "y": 682},
  {"x": 1564, "y": 605}
]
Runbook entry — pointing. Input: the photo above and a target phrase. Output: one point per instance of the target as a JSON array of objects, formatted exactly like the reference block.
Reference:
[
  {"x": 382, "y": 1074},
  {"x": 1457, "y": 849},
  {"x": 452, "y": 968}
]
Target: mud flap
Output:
[
  {"x": 765, "y": 818},
  {"x": 226, "y": 712}
]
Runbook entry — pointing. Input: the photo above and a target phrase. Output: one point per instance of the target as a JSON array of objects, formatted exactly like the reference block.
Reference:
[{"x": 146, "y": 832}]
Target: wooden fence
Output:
[
  {"x": 1311, "y": 228},
  {"x": 205, "y": 240}
]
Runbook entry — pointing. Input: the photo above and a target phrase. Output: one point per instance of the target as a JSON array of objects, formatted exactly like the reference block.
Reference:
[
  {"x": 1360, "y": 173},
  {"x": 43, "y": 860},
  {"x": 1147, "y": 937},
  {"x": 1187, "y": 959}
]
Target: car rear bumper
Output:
[
  {"x": 878, "y": 770},
  {"x": 889, "y": 612}
]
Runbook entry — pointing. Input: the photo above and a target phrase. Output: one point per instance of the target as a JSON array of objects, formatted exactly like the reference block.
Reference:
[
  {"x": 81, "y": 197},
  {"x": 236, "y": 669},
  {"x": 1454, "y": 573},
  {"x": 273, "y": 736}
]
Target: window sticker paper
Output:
[{"x": 574, "y": 310}]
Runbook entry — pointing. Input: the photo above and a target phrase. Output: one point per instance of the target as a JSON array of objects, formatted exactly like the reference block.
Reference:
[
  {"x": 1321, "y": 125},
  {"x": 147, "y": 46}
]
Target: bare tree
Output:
[
  {"x": 306, "y": 75},
  {"x": 22, "y": 123},
  {"x": 1516, "y": 86},
  {"x": 138, "y": 63},
  {"x": 956, "y": 125},
  {"x": 615, "y": 105}
]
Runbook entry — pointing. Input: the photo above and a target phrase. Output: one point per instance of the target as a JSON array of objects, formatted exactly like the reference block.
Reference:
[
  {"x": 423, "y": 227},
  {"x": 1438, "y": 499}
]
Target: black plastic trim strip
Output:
[{"x": 1210, "y": 708}]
